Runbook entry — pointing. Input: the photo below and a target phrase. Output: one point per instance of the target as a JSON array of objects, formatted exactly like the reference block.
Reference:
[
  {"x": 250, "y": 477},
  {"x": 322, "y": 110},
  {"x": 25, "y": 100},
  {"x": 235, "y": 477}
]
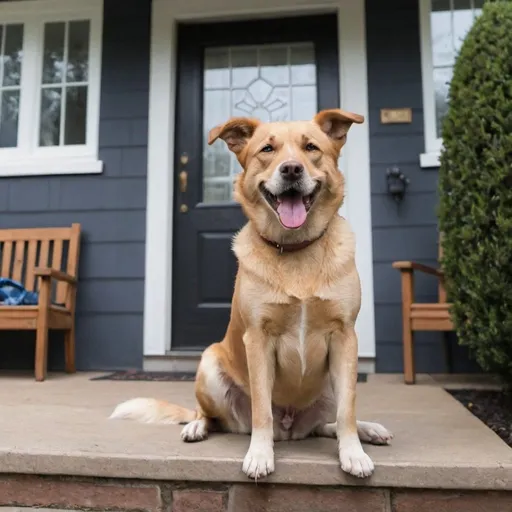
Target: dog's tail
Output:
[{"x": 150, "y": 410}]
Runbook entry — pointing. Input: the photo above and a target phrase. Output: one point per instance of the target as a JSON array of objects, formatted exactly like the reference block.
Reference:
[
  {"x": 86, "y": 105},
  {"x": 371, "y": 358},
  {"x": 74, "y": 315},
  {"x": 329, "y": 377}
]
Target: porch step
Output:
[
  {"x": 182, "y": 361},
  {"x": 58, "y": 449}
]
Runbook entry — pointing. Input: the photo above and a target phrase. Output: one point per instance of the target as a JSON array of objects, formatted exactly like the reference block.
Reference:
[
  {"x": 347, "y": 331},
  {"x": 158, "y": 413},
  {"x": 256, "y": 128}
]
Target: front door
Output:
[{"x": 273, "y": 69}]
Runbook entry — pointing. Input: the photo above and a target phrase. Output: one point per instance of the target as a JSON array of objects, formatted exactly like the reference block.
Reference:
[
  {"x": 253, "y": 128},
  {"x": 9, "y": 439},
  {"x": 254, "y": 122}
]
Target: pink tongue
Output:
[{"x": 292, "y": 211}]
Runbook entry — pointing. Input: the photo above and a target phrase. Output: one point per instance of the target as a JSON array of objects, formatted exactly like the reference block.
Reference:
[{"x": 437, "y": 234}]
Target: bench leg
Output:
[
  {"x": 69, "y": 349},
  {"x": 41, "y": 359},
  {"x": 408, "y": 341}
]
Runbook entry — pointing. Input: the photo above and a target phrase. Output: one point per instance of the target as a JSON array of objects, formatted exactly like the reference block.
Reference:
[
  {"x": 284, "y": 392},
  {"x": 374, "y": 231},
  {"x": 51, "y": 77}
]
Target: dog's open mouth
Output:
[{"x": 291, "y": 206}]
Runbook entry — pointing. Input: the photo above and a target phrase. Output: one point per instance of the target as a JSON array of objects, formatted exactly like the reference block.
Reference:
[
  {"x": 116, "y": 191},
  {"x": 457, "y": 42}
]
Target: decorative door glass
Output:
[{"x": 270, "y": 82}]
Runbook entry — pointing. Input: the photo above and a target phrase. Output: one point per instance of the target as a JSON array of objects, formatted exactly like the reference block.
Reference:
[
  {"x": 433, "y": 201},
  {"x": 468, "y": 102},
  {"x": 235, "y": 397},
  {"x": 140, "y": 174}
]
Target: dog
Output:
[{"x": 287, "y": 366}]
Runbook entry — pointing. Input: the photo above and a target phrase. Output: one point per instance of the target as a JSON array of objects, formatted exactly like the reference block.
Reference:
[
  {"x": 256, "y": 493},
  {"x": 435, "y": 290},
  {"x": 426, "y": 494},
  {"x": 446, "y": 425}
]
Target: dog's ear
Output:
[
  {"x": 236, "y": 132},
  {"x": 336, "y": 123}
]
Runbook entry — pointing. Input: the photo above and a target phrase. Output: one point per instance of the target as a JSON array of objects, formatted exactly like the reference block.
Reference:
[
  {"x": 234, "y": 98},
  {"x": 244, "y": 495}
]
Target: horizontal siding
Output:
[
  {"x": 407, "y": 231},
  {"x": 111, "y": 208}
]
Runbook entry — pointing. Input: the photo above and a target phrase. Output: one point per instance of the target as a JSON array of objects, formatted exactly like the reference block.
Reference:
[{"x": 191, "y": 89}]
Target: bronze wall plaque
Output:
[{"x": 395, "y": 115}]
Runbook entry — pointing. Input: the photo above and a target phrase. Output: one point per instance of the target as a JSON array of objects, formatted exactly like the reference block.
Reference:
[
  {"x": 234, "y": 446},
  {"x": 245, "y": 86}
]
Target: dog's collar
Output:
[{"x": 291, "y": 247}]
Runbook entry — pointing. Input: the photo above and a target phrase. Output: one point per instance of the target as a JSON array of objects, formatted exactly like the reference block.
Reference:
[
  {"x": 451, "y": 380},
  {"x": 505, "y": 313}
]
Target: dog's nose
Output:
[{"x": 291, "y": 170}]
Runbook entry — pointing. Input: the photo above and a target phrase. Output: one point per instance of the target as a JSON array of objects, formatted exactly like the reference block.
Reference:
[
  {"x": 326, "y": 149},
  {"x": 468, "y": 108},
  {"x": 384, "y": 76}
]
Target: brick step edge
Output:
[{"x": 150, "y": 496}]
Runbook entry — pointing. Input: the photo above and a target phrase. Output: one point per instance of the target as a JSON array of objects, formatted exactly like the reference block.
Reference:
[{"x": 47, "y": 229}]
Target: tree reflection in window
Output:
[
  {"x": 64, "y": 88},
  {"x": 11, "y": 56}
]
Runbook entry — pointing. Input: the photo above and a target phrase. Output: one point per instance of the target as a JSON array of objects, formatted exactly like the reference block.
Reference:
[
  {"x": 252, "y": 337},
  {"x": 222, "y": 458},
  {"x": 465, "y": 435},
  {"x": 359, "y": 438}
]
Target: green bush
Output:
[{"x": 475, "y": 189}]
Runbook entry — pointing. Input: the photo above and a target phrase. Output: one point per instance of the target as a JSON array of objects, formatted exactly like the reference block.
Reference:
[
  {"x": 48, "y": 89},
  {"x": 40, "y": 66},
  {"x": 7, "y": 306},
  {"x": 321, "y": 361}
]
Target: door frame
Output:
[{"x": 355, "y": 162}]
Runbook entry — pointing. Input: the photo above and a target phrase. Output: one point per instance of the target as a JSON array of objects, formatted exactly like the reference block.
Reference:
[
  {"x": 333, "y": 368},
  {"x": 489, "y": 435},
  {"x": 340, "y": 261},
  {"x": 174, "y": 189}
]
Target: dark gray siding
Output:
[
  {"x": 408, "y": 231},
  {"x": 111, "y": 208}
]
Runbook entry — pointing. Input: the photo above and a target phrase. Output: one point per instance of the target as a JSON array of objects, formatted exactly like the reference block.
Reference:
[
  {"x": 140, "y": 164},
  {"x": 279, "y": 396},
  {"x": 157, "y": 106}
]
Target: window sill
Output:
[
  {"x": 429, "y": 160},
  {"x": 50, "y": 166}
]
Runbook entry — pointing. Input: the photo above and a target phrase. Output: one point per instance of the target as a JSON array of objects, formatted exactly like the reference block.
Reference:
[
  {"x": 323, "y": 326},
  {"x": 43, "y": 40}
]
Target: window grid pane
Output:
[
  {"x": 271, "y": 82},
  {"x": 450, "y": 21},
  {"x": 11, "y": 55},
  {"x": 66, "y": 63}
]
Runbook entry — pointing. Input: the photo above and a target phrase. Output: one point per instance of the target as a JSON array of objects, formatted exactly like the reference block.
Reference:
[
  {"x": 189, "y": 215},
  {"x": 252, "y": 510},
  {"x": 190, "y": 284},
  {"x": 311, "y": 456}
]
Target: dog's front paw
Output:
[
  {"x": 259, "y": 462},
  {"x": 194, "y": 431},
  {"x": 354, "y": 460}
]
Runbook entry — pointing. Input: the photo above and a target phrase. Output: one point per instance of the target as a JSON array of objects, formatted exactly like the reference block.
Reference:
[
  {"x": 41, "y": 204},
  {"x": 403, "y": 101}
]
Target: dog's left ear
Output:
[
  {"x": 236, "y": 132},
  {"x": 336, "y": 123}
]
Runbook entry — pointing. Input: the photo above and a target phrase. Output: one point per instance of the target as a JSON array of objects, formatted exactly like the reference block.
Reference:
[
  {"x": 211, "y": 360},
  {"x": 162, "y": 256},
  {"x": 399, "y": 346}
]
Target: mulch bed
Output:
[{"x": 494, "y": 408}]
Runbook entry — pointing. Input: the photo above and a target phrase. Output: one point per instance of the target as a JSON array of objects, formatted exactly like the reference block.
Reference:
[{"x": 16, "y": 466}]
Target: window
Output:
[
  {"x": 444, "y": 24},
  {"x": 50, "y": 67}
]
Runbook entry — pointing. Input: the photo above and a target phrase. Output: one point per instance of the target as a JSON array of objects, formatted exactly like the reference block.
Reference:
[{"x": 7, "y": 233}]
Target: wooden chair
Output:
[
  {"x": 421, "y": 316},
  {"x": 44, "y": 260}
]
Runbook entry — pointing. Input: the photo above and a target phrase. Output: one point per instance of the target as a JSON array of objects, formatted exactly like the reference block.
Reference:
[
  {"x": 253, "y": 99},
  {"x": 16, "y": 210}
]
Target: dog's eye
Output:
[
  {"x": 311, "y": 147},
  {"x": 267, "y": 149}
]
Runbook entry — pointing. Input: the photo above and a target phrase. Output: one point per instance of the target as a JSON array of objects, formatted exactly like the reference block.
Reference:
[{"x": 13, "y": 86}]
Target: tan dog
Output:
[{"x": 287, "y": 367}]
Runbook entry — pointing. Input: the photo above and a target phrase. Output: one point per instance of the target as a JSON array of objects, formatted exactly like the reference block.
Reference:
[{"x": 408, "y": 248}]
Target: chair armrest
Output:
[
  {"x": 55, "y": 274},
  {"x": 412, "y": 265}
]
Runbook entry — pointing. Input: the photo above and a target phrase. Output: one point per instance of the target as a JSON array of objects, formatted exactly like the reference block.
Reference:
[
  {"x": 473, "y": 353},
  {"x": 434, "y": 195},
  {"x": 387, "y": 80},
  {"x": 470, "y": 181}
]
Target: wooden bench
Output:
[
  {"x": 422, "y": 316},
  {"x": 44, "y": 260}
]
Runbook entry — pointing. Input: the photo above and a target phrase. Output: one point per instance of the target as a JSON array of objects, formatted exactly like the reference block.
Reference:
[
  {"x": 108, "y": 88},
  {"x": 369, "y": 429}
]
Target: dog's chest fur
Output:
[
  {"x": 300, "y": 332},
  {"x": 301, "y": 327},
  {"x": 298, "y": 300}
]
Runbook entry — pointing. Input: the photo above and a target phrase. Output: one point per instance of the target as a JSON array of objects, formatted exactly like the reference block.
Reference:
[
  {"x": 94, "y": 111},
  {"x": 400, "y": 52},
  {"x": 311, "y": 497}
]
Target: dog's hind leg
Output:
[
  {"x": 368, "y": 432},
  {"x": 222, "y": 405}
]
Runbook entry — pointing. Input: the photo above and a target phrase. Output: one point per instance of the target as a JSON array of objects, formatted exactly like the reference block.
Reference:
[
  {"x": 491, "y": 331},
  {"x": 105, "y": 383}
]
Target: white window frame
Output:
[
  {"x": 433, "y": 143},
  {"x": 30, "y": 159}
]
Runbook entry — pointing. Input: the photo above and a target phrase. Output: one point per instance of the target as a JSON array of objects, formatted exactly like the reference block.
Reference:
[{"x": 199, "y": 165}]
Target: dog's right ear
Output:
[{"x": 236, "y": 132}]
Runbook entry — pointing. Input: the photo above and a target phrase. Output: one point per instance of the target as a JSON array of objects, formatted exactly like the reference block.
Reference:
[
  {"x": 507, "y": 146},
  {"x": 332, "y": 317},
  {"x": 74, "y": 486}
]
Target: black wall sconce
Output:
[{"x": 397, "y": 183}]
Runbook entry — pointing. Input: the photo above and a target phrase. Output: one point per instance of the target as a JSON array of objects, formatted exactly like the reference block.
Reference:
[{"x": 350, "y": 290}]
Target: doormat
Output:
[
  {"x": 168, "y": 376},
  {"x": 149, "y": 376}
]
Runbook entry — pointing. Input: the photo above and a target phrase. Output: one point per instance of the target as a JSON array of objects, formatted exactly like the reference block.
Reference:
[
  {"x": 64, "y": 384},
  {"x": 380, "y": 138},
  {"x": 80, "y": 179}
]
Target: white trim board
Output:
[{"x": 355, "y": 162}]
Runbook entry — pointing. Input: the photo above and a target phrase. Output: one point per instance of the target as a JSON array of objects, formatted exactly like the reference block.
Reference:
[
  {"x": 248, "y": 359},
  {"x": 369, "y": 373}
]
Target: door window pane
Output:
[
  {"x": 64, "y": 87},
  {"x": 11, "y": 56},
  {"x": 269, "y": 82}
]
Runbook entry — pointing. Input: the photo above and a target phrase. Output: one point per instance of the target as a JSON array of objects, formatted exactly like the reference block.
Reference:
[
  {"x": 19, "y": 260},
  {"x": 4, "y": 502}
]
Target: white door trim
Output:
[{"x": 355, "y": 162}]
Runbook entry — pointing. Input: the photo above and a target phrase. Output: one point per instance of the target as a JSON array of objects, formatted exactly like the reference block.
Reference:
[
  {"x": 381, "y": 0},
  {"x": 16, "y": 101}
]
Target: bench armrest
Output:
[
  {"x": 412, "y": 265},
  {"x": 55, "y": 274}
]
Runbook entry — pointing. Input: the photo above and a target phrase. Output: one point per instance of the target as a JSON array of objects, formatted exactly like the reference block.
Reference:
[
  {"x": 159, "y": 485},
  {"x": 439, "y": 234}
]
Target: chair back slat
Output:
[
  {"x": 6, "y": 259},
  {"x": 23, "y": 250},
  {"x": 31, "y": 263}
]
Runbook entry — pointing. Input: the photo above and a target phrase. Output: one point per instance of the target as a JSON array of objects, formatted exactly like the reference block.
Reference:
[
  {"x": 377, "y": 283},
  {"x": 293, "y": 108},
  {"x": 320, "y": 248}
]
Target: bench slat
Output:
[
  {"x": 43, "y": 255},
  {"x": 6, "y": 259},
  {"x": 19, "y": 255},
  {"x": 13, "y": 235},
  {"x": 31, "y": 264}
]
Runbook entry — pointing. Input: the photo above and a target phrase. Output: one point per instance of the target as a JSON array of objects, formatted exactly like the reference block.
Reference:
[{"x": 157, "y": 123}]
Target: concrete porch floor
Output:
[{"x": 61, "y": 427}]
